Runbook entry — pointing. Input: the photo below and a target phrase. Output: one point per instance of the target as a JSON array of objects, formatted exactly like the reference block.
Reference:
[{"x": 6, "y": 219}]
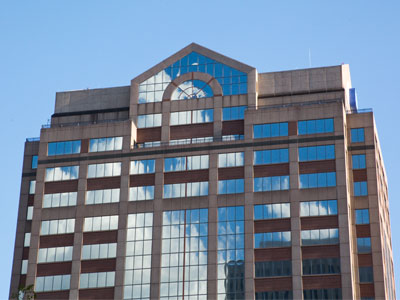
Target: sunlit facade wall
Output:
[{"x": 204, "y": 179}]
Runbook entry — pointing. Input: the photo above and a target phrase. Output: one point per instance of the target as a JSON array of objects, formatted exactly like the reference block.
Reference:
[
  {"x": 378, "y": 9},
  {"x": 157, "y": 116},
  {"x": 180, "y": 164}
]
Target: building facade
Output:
[{"x": 204, "y": 179}]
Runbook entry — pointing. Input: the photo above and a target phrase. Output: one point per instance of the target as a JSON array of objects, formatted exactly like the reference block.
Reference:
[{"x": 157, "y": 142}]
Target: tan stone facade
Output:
[{"x": 288, "y": 97}]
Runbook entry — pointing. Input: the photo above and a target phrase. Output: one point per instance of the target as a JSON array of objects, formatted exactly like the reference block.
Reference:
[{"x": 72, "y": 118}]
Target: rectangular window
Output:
[
  {"x": 315, "y": 126},
  {"x": 230, "y": 259},
  {"x": 272, "y": 239},
  {"x": 59, "y": 199},
  {"x": 99, "y": 251},
  {"x": 61, "y": 226},
  {"x": 52, "y": 283},
  {"x": 198, "y": 140},
  {"x": 149, "y": 144},
  {"x": 317, "y": 153},
  {"x": 273, "y": 268},
  {"x": 192, "y": 117},
  {"x": 138, "y": 256},
  {"x": 272, "y": 211},
  {"x": 360, "y": 188},
  {"x": 62, "y": 173},
  {"x": 275, "y": 156},
  {"x": 270, "y": 130},
  {"x": 320, "y": 237},
  {"x": 29, "y": 213},
  {"x": 96, "y": 280},
  {"x": 104, "y": 170},
  {"x": 190, "y": 189},
  {"x": 186, "y": 163},
  {"x": 317, "y": 180},
  {"x": 24, "y": 267},
  {"x": 318, "y": 208},
  {"x": 184, "y": 254},
  {"x": 56, "y": 254},
  {"x": 145, "y": 166},
  {"x": 63, "y": 148},
  {"x": 100, "y": 223},
  {"x": 233, "y": 113},
  {"x": 27, "y": 239},
  {"x": 333, "y": 294},
  {"x": 366, "y": 274},
  {"x": 139, "y": 193},
  {"x": 34, "y": 162},
  {"x": 230, "y": 186},
  {"x": 318, "y": 266},
  {"x": 362, "y": 216},
  {"x": 232, "y": 137},
  {"x": 102, "y": 196},
  {"x": 226, "y": 160},
  {"x": 274, "y": 183},
  {"x": 283, "y": 295},
  {"x": 358, "y": 161},
  {"x": 364, "y": 245},
  {"x": 32, "y": 187},
  {"x": 357, "y": 135},
  {"x": 150, "y": 120},
  {"x": 105, "y": 144}
]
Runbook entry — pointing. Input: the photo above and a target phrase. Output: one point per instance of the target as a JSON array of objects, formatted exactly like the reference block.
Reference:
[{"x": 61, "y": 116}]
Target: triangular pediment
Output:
[{"x": 201, "y": 52}]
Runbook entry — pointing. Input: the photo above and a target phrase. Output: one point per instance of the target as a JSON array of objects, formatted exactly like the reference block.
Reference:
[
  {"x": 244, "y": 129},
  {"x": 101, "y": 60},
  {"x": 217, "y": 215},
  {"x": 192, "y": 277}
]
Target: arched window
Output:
[{"x": 192, "y": 89}]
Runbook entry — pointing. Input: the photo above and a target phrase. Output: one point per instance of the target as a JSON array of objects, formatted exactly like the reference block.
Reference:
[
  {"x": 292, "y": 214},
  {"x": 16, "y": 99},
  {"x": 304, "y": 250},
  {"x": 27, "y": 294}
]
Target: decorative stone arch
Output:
[{"x": 211, "y": 81}]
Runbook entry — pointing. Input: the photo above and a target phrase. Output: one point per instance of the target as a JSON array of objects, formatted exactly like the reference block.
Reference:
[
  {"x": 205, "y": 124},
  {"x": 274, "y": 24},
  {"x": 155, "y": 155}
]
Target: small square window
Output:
[{"x": 357, "y": 135}]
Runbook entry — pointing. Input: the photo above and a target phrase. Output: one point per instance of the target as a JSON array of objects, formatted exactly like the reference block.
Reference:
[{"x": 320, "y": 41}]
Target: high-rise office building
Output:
[{"x": 204, "y": 179}]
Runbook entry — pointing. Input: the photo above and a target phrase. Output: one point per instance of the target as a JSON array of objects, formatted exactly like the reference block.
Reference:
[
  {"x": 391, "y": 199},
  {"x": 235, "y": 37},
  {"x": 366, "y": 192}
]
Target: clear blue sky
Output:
[{"x": 50, "y": 46}]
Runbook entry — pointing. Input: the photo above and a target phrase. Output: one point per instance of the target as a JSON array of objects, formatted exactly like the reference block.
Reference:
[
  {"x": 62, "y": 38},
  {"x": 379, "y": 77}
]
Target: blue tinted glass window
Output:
[
  {"x": 63, "y": 148},
  {"x": 233, "y": 113},
  {"x": 271, "y": 156},
  {"x": 366, "y": 274},
  {"x": 364, "y": 245},
  {"x": 317, "y": 180},
  {"x": 362, "y": 216},
  {"x": 357, "y": 135},
  {"x": 34, "y": 162},
  {"x": 360, "y": 188},
  {"x": 315, "y": 126},
  {"x": 231, "y": 186},
  {"x": 270, "y": 130},
  {"x": 359, "y": 161}
]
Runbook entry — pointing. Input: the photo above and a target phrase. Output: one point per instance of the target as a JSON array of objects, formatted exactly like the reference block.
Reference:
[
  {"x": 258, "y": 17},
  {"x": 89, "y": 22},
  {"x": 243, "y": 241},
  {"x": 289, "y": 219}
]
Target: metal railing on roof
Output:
[
  {"x": 359, "y": 111},
  {"x": 55, "y": 125},
  {"x": 33, "y": 139}
]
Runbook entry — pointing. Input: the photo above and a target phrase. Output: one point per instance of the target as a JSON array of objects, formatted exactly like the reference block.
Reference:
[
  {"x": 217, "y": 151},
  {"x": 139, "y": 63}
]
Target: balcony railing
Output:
[
  {"x": 359, "y": 111},
  {"x": 33, "y": 139}
]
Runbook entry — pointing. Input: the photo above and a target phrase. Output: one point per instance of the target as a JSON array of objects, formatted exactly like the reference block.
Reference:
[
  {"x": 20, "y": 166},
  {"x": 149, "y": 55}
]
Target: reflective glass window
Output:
[
  {"x": 184, "y": 254},
  {"x": 272, "y": 239},
  {"x": 96, "y": 280},
  {"x": 366, "y": 274},
  {"x": 145, "y": 166},
  {"x": 226, "y": 160},
  {"x": 362, "y": 216},
  {"x": 34, "y": 162},
  {"x": 48, "y": 255},
  {"x": 282, "y": 295},
  {"x": 232, "y": 137},
  {"x": 139, "y": 193},
  {"x": 138, "y": 256},
  {"x": 232, "y": 81},
  {"x": 318, "y": 208},
  {"x": 231, "y": 186},
  {"x": 57, "y": 226},
  {"x": 104, "y": 170},
  {"x": 99, "y": 251},
  {"x": 317, "y": 180},
  {"x": 52, "y": 283},
  {"x": 364, "y": 245},
  {"x": 62, "y": 173},
  {"x": 360, "y": 188},
  {"x": 105, "y": 144},
  {"x": 315, "y": 126},
  {"x": 230, "y": 259},
  {"x": 331, "y": 294},
  {"x": 189, "y": 189},
  {"x": 318, "y": 266},
  {"x": 197, "y": 140},
  {"x": 32, "y": 187},
  {"x": 29, "y": 213},
  {"x": 100, "y": 223},
  {"x": 275, "y": 156},
  {"x": 196, "y": 162},
  {"x": 24, "y": 267},
  {"x": 102, "y": 196},
  {"x": 319, "y": 237},
  {"x": 357, "y": 135},
  {"x": 272, "y": 211},
  {"x": 273, "y": 268},
  {"x": 192, "y": 117},
  {"x": 63, "y": 148},
  {"x": 317, "y": 153},
  {"x": 358, "y": 161},
  {"x": 150, "y": 120},
  {"x": 273, "y": 183},
  {"x": 59, "y": 199},
  {"x": 270, "y": 130},
  {"x": 233, "y": 113},
  {"x": 27, "y": 239}
]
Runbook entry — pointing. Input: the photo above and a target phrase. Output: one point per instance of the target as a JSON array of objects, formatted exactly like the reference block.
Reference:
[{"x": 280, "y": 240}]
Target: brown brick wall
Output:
[
  {"x": 319, "y": 222},
  {"x": 142, "y": 180},
  {"x": 191, "y": 131},
  {"x": 148, "y": 135},
  {"x": 186, "y": 176},
  {"x": 103, "y": 183},
  {"x": 272, "y": 225},
  {"x": 47, "y": 241},
  {"x": 322, "y": 166},
  {"x": 273, "y": 254},
  {"x": 230, "y": 173},
  {"x": 102, "y": 237},
  {"x": 61, "y": 186},
  {"x": 233, "y": 127},
  {"x": 271, "y": 170},
  {"x": 273, "y": 284}
]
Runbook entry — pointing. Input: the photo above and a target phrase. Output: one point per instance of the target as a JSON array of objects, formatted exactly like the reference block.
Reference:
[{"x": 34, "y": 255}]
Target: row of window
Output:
[
  {"x": 192, "y": 117},
  {"x": 74, "y": 147}
]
